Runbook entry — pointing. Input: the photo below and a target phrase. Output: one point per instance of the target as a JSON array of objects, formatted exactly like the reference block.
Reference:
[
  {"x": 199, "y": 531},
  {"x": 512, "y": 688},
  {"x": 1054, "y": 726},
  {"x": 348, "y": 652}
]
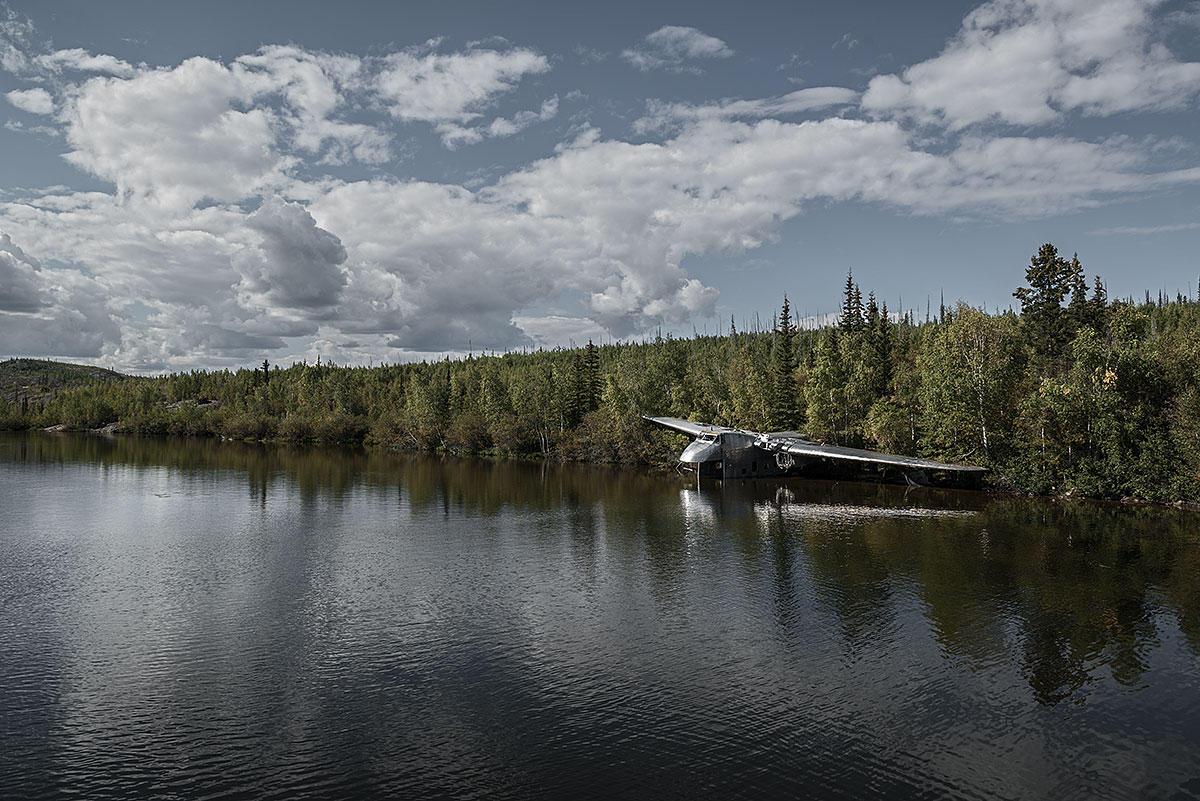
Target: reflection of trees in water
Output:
[
  {"x": 1068, "y": 588},
  {"x": 1065, "y": 590},
  {"x": 1084, "y": 584},
  {"x": 1080, "y": 581}
]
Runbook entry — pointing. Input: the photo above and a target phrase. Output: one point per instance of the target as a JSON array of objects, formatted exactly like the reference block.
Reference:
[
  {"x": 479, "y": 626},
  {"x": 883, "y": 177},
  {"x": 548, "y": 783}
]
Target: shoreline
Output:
[{"x": 110, "y": 431}]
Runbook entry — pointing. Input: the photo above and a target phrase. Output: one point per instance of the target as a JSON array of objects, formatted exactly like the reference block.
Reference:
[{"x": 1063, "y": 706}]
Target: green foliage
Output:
[{"x": 971, "y": 369}]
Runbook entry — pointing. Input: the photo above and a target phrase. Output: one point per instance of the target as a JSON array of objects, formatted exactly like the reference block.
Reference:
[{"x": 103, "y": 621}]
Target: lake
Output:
[{"x": 206, "y": 620}]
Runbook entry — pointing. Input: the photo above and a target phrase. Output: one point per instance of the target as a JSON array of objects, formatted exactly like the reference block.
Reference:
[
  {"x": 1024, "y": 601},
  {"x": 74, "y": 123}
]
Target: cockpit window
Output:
[{"x": 708, "y": 437}]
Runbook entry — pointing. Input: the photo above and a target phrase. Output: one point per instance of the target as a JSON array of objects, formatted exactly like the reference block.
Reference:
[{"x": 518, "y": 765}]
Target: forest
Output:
[{"x": 1070, "y": 394}]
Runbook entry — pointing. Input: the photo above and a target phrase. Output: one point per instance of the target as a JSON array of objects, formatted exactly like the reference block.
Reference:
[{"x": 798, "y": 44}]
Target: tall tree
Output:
[
  {"x": 593, "y": 382},
  {"x": 1049, "y": 278},
  {"x": 785, "y": 411},
  {"x": 852, "y": 311}
]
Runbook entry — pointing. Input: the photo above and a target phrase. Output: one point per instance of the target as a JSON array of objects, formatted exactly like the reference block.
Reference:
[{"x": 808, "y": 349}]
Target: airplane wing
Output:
[
  {"x": 687, "y": 426},
  {"x": 802, "y": 447}
]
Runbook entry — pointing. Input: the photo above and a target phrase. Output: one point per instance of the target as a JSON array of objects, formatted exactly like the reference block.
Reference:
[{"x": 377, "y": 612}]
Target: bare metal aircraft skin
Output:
[{"x": 721, "y": 452}]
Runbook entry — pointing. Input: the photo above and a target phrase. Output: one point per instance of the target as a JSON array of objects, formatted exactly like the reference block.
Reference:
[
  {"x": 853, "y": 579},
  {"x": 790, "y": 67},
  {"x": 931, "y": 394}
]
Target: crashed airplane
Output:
[{"x": 720, "y": 452}]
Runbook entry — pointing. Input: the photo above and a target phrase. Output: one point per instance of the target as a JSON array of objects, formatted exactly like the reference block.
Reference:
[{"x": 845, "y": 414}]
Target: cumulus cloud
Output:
[
  {"x": 296, "y": 264},
  {"x": 177, "y": 135},
  {"x": 672, "y": 46},
  {"x": 34, "y": 101},
  {"x": 1027, "y": 62}
]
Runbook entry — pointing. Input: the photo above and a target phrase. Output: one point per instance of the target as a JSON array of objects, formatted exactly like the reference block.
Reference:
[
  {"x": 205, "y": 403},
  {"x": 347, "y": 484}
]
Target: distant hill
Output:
[{"x": 41, "y": 379}]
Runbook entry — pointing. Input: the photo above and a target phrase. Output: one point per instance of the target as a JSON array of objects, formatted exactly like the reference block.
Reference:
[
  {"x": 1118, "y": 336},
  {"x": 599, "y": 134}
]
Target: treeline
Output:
[{"x": 1075, "y": 394}]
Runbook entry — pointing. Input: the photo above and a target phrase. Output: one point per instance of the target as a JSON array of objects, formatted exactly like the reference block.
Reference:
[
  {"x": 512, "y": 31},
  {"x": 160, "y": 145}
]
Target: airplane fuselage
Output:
[{"x": 734, "y": 454}]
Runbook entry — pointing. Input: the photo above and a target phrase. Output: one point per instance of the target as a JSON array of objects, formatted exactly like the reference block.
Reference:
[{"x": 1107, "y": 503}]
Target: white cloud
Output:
[
  {"x": 1027, "y": 62},
  {"x": 672, "y": 46},
  {"x": 178, "y": 135},
  {"x": 314, "y": 87},
  {"x": 668, "y": 116},
  {"x": 34, "y": 101},
  {"x": 454, "y": 135},
  {"x": 20, "y": 127},
  {"x": 553, "y": 330},
  {"x": 83, "y": 61},
  {"x": 16, "y": 31},
  {"x": 451, "y": 90}
]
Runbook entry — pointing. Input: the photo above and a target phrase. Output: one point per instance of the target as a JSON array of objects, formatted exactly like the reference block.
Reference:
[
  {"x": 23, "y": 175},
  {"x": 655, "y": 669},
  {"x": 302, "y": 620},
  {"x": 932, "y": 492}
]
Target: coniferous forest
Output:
[{"x": 1069, "y": 393}]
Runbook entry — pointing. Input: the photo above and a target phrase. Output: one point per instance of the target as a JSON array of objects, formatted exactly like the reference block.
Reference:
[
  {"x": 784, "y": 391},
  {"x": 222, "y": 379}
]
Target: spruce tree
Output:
[
  {"x": 591, "y": 379},
  {"x": 1049, "y": 277},
  {"x": 1098, "y": 306},
  {"x": 784, "y": 409},
  {"x": 852, "y": 311}
]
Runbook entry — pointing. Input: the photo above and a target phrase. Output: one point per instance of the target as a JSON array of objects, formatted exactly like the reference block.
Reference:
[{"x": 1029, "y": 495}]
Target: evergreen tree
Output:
[
  {"x": 784, "y": 411},
  {"x": 827, "y": 387},
  {"x": 851, "y": 318},
  {"x": 1098, "y": 306},
  {"x": 592, "y": 380},
  {"x": 1050, "y": 277}
]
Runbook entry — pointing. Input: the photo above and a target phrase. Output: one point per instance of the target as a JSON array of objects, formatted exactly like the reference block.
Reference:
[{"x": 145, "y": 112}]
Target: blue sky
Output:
[{"x": 208, "y": 185}]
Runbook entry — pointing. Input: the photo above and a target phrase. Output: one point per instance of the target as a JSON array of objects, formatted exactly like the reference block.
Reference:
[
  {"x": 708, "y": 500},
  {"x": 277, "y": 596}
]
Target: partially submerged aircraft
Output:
[{"x": 720, "y": 452}]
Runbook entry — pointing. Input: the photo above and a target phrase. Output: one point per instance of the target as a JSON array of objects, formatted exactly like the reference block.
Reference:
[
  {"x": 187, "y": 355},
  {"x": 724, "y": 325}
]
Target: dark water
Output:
[{"x": 207, "y": 621}]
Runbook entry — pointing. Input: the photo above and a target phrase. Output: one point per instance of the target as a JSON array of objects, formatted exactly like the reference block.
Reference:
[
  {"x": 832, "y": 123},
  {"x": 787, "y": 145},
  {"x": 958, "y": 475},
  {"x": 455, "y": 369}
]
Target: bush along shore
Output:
[{"x": 1073, "y": 394}]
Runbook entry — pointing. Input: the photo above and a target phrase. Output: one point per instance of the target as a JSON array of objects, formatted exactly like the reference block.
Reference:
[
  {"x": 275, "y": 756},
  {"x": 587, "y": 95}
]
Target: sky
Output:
[{"x": 207, "y": 185}]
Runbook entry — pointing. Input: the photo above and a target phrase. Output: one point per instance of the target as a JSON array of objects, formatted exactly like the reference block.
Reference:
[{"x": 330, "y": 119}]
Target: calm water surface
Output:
[{"x": 198, "y": 620}]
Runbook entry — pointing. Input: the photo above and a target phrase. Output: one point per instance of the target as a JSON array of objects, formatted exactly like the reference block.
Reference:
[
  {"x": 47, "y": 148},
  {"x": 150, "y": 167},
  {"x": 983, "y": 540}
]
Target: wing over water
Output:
[
  {"x": 797, "y": 445},
  {"x": 687, "y": 426}
]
